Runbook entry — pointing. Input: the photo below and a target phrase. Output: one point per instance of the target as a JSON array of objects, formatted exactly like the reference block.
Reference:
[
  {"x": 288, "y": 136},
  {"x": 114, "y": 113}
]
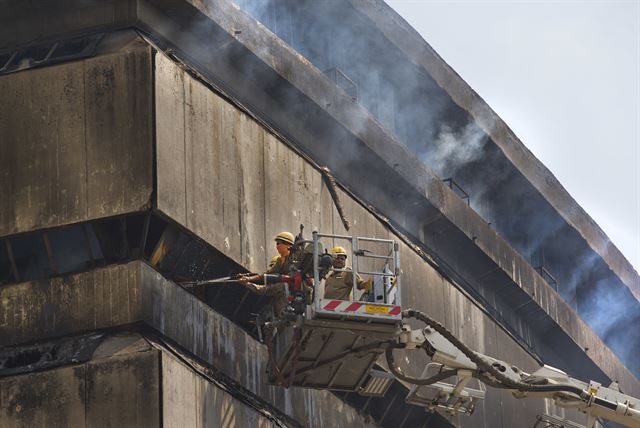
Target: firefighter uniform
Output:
[
  {"x": 338, "y": 285},
  {"x": 278, "y": 266},
  {"x": 278, "y": 292}
]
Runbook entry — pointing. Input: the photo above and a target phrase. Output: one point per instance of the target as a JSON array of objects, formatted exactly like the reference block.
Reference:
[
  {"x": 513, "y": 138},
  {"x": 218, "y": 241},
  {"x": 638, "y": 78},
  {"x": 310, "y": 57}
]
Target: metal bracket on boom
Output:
[{"x": 450, "y": 398}]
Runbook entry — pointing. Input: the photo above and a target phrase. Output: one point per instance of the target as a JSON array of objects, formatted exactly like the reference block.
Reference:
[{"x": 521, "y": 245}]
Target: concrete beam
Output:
[
  {"x": 122, "y": 390},
  {"x": 25, "y": 22}
]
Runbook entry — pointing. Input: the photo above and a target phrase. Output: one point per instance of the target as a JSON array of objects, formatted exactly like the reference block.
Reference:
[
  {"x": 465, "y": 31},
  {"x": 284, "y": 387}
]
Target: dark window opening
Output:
[
  {"x": 71, "y": 249},
  {"x": 92, "y": 244},
  {"x": 111, "y": 234},
  {"x": 32, "y": 55},
  {"x": 6, "y": 271},
  {"x": 457, "y": 189},
  {"x": 24, "y": 358},
  {"x": 343, "y": 82},
  {"x": 73, "y": 47},
  {"x": 49, "y": 53},
  {"x": 134, "y": 229},
  {"x": 156, "y": 227},
  {"x": 31, "y": 258},
  {"x": 173, "y": 251},
  {"x": 180, "y": 256},
  {"x": 52, "y": 353},
  {"x": 5, "y": 58},
  {"x": 546, "y": 275}
]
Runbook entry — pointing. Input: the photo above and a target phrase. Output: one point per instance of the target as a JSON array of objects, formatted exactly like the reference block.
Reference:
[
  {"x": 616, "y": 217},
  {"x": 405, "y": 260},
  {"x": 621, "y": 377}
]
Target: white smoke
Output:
[{"x": 454, "y": 148}]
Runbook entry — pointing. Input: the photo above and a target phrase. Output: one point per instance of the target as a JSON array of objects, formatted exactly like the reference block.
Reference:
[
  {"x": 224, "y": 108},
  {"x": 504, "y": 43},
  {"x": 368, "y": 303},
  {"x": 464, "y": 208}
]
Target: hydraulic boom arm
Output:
[{"x": 457, "y": 359}]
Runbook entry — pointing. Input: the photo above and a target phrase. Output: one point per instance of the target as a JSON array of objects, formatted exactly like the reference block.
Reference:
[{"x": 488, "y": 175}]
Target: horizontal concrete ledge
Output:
[
  {"x": 118, "y": 387},
  {"x": 130, "y": 293},
  {"x": 408, "y": 41},
  {"x": 24, "y": 23},
  {"x": 128, "y": 379}
]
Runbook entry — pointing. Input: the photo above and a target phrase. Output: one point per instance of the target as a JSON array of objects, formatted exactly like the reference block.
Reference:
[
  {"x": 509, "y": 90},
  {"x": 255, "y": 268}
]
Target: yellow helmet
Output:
[
  {"x": 286, "y": 237},
  {"x": 338, "y": 250}
]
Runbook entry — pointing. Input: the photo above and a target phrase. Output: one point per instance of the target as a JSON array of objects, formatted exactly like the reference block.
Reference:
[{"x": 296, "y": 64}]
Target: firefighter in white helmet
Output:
[
  {"x": 338, "y": 285},
  {"x": 279, "y": 265}
]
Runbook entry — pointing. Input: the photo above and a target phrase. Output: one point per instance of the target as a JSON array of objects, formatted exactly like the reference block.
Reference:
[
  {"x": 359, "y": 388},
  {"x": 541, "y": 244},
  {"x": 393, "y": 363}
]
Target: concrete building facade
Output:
[{"x": 143, "y": 143}]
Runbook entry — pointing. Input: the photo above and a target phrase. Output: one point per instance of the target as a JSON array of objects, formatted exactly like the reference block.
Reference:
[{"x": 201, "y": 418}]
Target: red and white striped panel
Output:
[{"x": 360, "y": 308}]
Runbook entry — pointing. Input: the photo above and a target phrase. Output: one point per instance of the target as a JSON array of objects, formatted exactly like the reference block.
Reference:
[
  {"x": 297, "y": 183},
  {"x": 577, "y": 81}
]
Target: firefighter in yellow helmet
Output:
[
  {"x": 338, "y": 285},
  {"x": 279, "y": 265}
]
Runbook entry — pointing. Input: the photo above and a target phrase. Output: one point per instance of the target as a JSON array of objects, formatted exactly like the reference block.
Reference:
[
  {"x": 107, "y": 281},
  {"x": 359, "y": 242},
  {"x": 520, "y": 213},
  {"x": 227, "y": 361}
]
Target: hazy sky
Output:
[{"x": 565, "y": 77}]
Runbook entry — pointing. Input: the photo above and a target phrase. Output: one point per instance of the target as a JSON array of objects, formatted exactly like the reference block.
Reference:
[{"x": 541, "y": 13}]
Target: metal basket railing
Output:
[{"x": 390, "y": 273}]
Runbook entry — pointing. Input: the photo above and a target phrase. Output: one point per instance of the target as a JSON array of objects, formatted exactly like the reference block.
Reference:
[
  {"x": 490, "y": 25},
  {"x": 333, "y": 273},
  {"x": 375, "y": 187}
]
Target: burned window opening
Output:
[
  {"x": 111, "y": 235},
  {"x": 457, "y": 190},
  {"x": 31, "y": 258},
  {"x": 8, "y": 271},
  {"x": 180, "y": 256},
  {"x": 50, "y": 52},
  {"x": 47, "y": 246},
  {"x": 69, "y": 249},
  {"x": 6, "y": 58},
  {"x": 48, "y": 354},
  {"x": 87, "y": 240},
  {"x": 33, "y": 55},
  {"x": 156, "y": 226},
  {"x": 343, "y": 82},
  {"x": 546, "y": 275},
  {"x": 23, "y": 358},
  {"x": 145, "y": 234},
  {"x": 74, "y": 47}
]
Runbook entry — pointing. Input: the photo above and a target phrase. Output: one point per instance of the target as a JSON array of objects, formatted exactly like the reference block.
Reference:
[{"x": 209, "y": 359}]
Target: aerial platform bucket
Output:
[
  {"x": 381, "y": 261},
  {"x": 328, "y": 354},
  {"x": 336, "y": 343}
]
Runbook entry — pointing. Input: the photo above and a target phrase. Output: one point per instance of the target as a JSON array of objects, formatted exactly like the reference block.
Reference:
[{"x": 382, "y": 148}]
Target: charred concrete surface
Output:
[
  {"x": 224, "y": 135},
  {"x": 413, "y": 46},
  {"x": 69, "y": 129},
  {"x": 125, "y": 379},
  {"x": 538, "y": 233},
  {"x": 122, "y": 295},
  {"x": 118, "y": 386},
  {"x": 206, "y": 107}
]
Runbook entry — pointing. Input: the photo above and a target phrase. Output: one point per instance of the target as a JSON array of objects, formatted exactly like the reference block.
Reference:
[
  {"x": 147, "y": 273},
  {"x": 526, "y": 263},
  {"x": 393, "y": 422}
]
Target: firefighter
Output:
[
  {"x": 338, "y": 285},
  {"x": 279, "y": 265}
]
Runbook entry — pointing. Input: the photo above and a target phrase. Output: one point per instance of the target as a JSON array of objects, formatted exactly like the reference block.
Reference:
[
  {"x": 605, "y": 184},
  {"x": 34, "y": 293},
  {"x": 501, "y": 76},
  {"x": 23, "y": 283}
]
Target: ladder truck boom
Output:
[
  {"x": 322, "y": 342},
  {"x": 457, "y": 359}
]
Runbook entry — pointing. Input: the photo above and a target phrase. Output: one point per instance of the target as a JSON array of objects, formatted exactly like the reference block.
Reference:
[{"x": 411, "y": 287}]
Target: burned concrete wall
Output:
[
  {"x": 189, "y": 399},
  {"x": 381, "y": 63},
  {"x": 229, "y": 180},
  {"x": 128, "y": 381},
  {"x": 76, "y": 141},
  {"x": 110, "y": 390},
  {"x": 225, "y": 177},
  {"x": 133, "y": 293},
  {"x": 273, "y": 179}
]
